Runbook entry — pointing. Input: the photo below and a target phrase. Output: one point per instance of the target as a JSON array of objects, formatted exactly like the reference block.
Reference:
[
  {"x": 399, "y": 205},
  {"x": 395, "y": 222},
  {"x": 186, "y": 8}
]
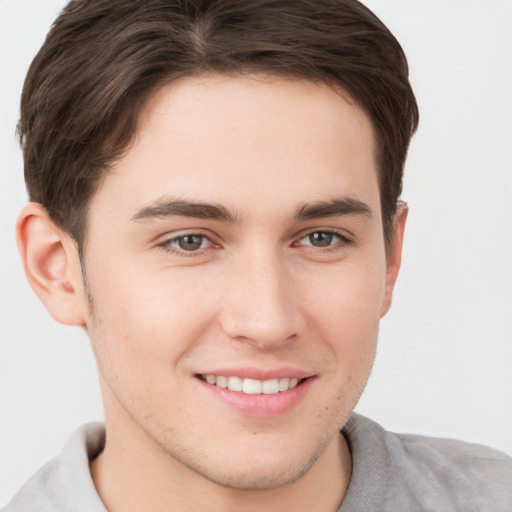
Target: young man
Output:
[{"x": 214, "y": 198}]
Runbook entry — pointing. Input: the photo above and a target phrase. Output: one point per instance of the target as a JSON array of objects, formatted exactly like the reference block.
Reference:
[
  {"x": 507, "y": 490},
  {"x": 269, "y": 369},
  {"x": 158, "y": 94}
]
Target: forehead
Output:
[{"x": 234, "y": 139}]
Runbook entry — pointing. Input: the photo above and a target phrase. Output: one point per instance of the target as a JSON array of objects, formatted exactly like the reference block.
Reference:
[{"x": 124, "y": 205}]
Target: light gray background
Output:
[{"x": 444, "y": 363}]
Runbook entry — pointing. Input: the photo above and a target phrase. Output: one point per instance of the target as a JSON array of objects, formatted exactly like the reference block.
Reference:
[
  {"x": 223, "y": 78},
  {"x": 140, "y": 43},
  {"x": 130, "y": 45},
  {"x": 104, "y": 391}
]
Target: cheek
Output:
[
  {"x": 143, "y": 319},
  {"x": 346, "y": 311},
  {"x": 141, "y": 332},
  {"x": 350, "y": 296}
]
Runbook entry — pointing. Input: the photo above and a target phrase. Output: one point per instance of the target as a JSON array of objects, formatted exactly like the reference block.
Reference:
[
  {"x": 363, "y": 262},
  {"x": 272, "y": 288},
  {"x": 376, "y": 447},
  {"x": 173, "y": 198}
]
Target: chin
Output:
[
  {"x": 257, "y": 470},
  {"x": 260, "y": 478}
]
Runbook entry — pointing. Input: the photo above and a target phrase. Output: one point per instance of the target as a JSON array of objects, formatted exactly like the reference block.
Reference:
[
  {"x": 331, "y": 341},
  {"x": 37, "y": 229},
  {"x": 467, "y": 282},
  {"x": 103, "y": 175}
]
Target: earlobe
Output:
[
  {"x": 51, "y": 264},
  {"x": 395, "y": 254}
]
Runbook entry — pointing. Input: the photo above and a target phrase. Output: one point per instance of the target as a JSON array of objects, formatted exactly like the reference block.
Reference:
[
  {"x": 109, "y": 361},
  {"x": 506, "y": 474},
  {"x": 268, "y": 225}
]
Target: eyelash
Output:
[
  {"x": 166, "y": 245},
  {"x": 343, "y": 241}
]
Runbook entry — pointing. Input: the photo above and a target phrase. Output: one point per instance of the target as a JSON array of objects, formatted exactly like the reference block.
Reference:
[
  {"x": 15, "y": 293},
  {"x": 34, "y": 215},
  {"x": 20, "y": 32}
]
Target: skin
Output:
[{"x": 260, "y": 292}]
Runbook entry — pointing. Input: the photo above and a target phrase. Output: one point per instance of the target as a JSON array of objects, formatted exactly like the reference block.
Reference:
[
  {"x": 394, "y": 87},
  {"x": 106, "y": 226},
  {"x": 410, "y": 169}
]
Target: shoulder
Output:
[
  {"x": 472, "y": 460},
  {"x": 475, "y": 475},
  {"x": 65, "y": 483},
  {"x": 413, "y": 472}
]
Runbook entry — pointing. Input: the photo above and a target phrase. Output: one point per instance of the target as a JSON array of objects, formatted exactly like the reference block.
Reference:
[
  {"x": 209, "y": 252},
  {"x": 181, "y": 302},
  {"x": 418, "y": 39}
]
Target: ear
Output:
[
  {"x": 395, "y": 254},
  {"x": 52, "y": 265}
]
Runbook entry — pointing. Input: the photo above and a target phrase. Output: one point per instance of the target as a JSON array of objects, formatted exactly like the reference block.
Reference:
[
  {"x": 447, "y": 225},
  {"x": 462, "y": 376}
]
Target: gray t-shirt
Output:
[{"x": 391, "y": 473}]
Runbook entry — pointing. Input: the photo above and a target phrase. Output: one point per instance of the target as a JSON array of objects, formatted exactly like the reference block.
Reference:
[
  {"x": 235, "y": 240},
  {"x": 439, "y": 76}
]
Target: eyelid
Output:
[
  {"x": 166, "y": 240},
  {"x": 178, "y": 233},
  {"x": 346, "y": 237},
  {"x": 204, "y": 239}
]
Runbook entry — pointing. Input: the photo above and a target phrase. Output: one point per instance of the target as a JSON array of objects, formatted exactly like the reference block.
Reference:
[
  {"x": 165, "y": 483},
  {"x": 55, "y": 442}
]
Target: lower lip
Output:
[{"x": 261, "y": 406}]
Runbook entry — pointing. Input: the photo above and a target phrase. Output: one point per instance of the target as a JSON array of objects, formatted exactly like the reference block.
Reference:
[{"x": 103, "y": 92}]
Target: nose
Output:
[{"x": 260, "y": 305}]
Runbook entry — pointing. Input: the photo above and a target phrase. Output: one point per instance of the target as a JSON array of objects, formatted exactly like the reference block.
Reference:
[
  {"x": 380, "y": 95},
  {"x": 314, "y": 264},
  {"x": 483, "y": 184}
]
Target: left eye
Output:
[
  {"x": 320, "y": 239},
  {"x": 189, "y": 242}
]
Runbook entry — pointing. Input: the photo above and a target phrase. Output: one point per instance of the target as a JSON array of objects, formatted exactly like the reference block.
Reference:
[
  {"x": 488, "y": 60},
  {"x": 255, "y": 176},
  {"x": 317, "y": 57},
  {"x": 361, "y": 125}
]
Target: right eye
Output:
[
  {"x": 187, "y": 243},
  {"x": 321, "y": 239}
]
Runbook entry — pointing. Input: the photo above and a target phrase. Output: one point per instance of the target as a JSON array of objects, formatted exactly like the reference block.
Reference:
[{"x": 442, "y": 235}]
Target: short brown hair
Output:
[{"x": 102, "y": 59}]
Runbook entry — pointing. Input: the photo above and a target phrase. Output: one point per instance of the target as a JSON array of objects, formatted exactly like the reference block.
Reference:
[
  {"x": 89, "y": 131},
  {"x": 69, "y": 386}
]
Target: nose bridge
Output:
[{"x": 260, "y": 305}]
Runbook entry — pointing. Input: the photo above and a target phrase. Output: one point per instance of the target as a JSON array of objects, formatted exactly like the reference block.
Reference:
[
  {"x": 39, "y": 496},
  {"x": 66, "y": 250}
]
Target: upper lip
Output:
[{"x": 261, "y": 373}]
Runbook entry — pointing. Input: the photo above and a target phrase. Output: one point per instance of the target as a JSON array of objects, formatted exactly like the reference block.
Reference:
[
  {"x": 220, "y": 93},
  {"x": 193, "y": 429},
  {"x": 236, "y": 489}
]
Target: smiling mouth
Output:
[{"x": 252, "y": 386}]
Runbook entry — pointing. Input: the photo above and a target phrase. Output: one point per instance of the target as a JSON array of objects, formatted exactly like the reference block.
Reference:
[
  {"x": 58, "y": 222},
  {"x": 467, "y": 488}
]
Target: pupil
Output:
[
  {"x": 320, "y": 239},
  {"x": 190, "y": 242}
]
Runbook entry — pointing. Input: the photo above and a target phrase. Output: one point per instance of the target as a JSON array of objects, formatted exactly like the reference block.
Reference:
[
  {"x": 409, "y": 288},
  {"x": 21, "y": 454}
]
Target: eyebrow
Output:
[
  {"x": 333, "y": 208},
  {"x": 169, "y": 207}
]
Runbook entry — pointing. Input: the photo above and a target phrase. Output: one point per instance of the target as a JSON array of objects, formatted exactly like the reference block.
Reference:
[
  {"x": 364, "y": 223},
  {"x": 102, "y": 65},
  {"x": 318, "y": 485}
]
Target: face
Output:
[{"x": 236, "y": 269}]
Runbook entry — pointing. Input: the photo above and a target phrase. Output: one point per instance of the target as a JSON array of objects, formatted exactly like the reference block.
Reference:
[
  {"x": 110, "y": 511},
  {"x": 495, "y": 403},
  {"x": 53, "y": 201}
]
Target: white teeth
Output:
[
  {"x": 270, "y": 387},
  {"x": 252, "y": 386},
  {"x": 235, "y": 384},
  {"x": 284, "y": 384},
  {"x": 221, "y": 381}
]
